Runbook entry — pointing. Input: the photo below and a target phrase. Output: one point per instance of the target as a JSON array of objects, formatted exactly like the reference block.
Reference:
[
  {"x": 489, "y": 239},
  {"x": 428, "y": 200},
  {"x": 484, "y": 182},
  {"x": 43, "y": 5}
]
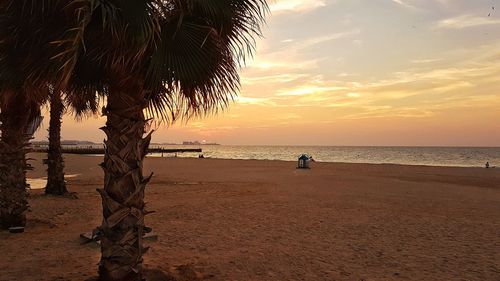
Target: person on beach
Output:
[{"x": 487, "y": 165}]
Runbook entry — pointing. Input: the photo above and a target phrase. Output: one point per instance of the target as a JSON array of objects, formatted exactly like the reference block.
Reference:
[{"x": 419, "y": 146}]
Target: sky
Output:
[{"x": 360, "y": 73}]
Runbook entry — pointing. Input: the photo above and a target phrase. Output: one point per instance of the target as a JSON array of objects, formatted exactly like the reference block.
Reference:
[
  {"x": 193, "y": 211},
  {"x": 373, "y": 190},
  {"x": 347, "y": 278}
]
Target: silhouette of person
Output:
[{"x": 487, "y": 165}]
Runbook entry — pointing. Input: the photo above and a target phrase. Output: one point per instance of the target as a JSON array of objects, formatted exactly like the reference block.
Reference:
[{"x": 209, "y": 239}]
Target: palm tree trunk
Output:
[
  {"x": 55, "y": 162},
  {"x": 13, "y": 187},
  {"x": 124, "y": 184}
]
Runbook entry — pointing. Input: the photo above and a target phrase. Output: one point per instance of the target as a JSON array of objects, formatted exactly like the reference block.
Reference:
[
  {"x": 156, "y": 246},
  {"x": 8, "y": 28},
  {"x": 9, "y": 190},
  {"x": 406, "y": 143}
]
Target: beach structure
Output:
[
  {"x": 303, "y": 162},
  {"x": 92, "y": 150}
]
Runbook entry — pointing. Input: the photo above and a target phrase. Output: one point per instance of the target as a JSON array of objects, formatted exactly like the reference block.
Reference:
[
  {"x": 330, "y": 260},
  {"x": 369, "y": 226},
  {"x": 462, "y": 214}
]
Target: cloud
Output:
[
  {"x": 466, "y": 21},
  {"x": 302, "y": 74},
  {"x": 371, "y": 112},
  {"x": 273, "y": 78},
  {"x": 353, "y": 95},
  {"x": 404, "y": 4},
  {"x": 296, "y": 5},
  {"x": 424, "y": 61},
  {"x": 254, "y": 101},
  {"x": 322, "y": 39},
  {"x": 287, "y": 65},
  {"x": 309, "y": 90},
  {"x": 291, "y": 58},
  {"x": 278, "y": 64},
  {"x": 427, "y": 87}
]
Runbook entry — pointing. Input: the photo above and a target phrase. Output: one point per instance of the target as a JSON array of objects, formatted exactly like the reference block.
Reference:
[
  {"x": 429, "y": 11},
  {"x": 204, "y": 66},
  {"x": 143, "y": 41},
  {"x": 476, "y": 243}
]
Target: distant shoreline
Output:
[
  {"x": 180, "y": 156},
  {"x": 69, "y": 143}
]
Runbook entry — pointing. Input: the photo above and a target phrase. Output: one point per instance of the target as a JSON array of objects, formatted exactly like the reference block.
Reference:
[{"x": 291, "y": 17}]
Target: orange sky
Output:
[{"x": 355, "y": 72}]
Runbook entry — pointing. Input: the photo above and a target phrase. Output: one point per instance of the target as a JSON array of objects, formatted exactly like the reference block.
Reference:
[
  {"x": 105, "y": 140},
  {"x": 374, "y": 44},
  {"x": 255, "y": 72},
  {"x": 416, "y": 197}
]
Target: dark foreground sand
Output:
[{"x": 265, "y": 220}]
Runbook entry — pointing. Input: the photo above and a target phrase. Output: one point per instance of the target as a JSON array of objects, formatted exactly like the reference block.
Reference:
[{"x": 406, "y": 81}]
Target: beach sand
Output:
[{"x": 266, "y": 220}]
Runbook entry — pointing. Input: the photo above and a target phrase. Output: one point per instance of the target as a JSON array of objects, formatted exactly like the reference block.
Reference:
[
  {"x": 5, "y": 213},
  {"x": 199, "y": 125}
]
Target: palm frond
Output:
[
  {"x": 237, "y": 21},
  {"x": 202, "y": 44},
  {"x": 185, "y": 53},
  {"x": 83, "y": 104},
  {"x": 28, "y": 29}
]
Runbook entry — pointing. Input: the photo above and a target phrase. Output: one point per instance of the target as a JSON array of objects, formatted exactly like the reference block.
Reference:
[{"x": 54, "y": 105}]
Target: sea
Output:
[{"x": 430, "y": 156}]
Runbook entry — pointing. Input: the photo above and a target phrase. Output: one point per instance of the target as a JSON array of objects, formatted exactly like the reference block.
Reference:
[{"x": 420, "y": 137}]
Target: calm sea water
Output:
[{"x": 433, "y": 156}]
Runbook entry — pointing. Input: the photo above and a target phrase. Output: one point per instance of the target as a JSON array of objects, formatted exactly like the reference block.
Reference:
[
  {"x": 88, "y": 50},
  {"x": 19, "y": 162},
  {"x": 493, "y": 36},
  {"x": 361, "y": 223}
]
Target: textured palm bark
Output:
[
  {"x": 124, "y": 184},
  {"x": 55, "y": 163},
  {"x": 13, "y": 148}
]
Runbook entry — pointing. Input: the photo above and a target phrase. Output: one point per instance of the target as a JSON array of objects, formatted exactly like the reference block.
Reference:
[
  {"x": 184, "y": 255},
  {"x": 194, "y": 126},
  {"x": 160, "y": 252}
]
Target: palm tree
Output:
[
  {"x": 55, "y": 163},
  {"x": 19, "y": 119},
  {"x": 27, "y": 30},
  {"x": 169, "y": 55},
  {"x": 32, "y": 38},
  {"x": 81, "y": 106}
]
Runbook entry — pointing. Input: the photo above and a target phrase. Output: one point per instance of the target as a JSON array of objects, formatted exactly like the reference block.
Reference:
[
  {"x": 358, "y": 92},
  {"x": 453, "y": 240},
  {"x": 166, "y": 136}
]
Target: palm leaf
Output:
[{"x": 201, "y": 47}]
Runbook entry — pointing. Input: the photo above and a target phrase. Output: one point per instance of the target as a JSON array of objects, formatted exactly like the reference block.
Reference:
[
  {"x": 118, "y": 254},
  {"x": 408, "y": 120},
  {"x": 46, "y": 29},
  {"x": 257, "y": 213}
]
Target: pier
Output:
[{"x": 94, "y": 150}]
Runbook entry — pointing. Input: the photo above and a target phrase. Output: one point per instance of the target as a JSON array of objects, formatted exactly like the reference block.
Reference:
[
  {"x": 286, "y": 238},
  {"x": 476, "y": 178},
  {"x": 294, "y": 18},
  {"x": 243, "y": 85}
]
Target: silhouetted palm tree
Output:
[
  {"x": 24, "y": 45},
  {"x": 170, "y": 55},
  {"x": 55, "y": 163},
  {"x": 19, "y": 119},
  {"x": 81, "y": 106}
]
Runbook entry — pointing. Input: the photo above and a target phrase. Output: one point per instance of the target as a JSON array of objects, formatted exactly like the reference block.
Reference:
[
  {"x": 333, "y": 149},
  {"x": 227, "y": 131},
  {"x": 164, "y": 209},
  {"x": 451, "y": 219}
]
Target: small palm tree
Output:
[
  {"x": 27, "y": 30},
  {"x": 81, "y": 106},
  {"x": 56, "y": 184},
  {"x": 19, "y": 119}
]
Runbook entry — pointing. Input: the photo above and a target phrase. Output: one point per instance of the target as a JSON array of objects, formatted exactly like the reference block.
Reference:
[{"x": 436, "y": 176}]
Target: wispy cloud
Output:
[
  {"x": 296, "y": 5},
  {"x": 322, "y": 39},
  {"x": 273, "y": 78},
  {"x": 309, "y": 90},
  {"x": 426, "y": 87},
  {"x": 254, "y": 101},
  {"x": 466, "y": 21},
  {"x": 424, "y": 61},
  {"x": 284, "y": 60},
  {"x": 404, "y": 4}
]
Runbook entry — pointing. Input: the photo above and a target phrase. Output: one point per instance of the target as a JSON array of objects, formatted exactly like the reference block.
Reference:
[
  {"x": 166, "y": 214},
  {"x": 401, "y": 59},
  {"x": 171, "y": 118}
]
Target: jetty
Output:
[{"x": 96, "y": 150}]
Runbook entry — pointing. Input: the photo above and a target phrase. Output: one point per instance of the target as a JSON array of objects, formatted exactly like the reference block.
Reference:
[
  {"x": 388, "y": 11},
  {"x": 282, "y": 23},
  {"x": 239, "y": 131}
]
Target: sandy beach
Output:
[{"x": 266, "y": 220}]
